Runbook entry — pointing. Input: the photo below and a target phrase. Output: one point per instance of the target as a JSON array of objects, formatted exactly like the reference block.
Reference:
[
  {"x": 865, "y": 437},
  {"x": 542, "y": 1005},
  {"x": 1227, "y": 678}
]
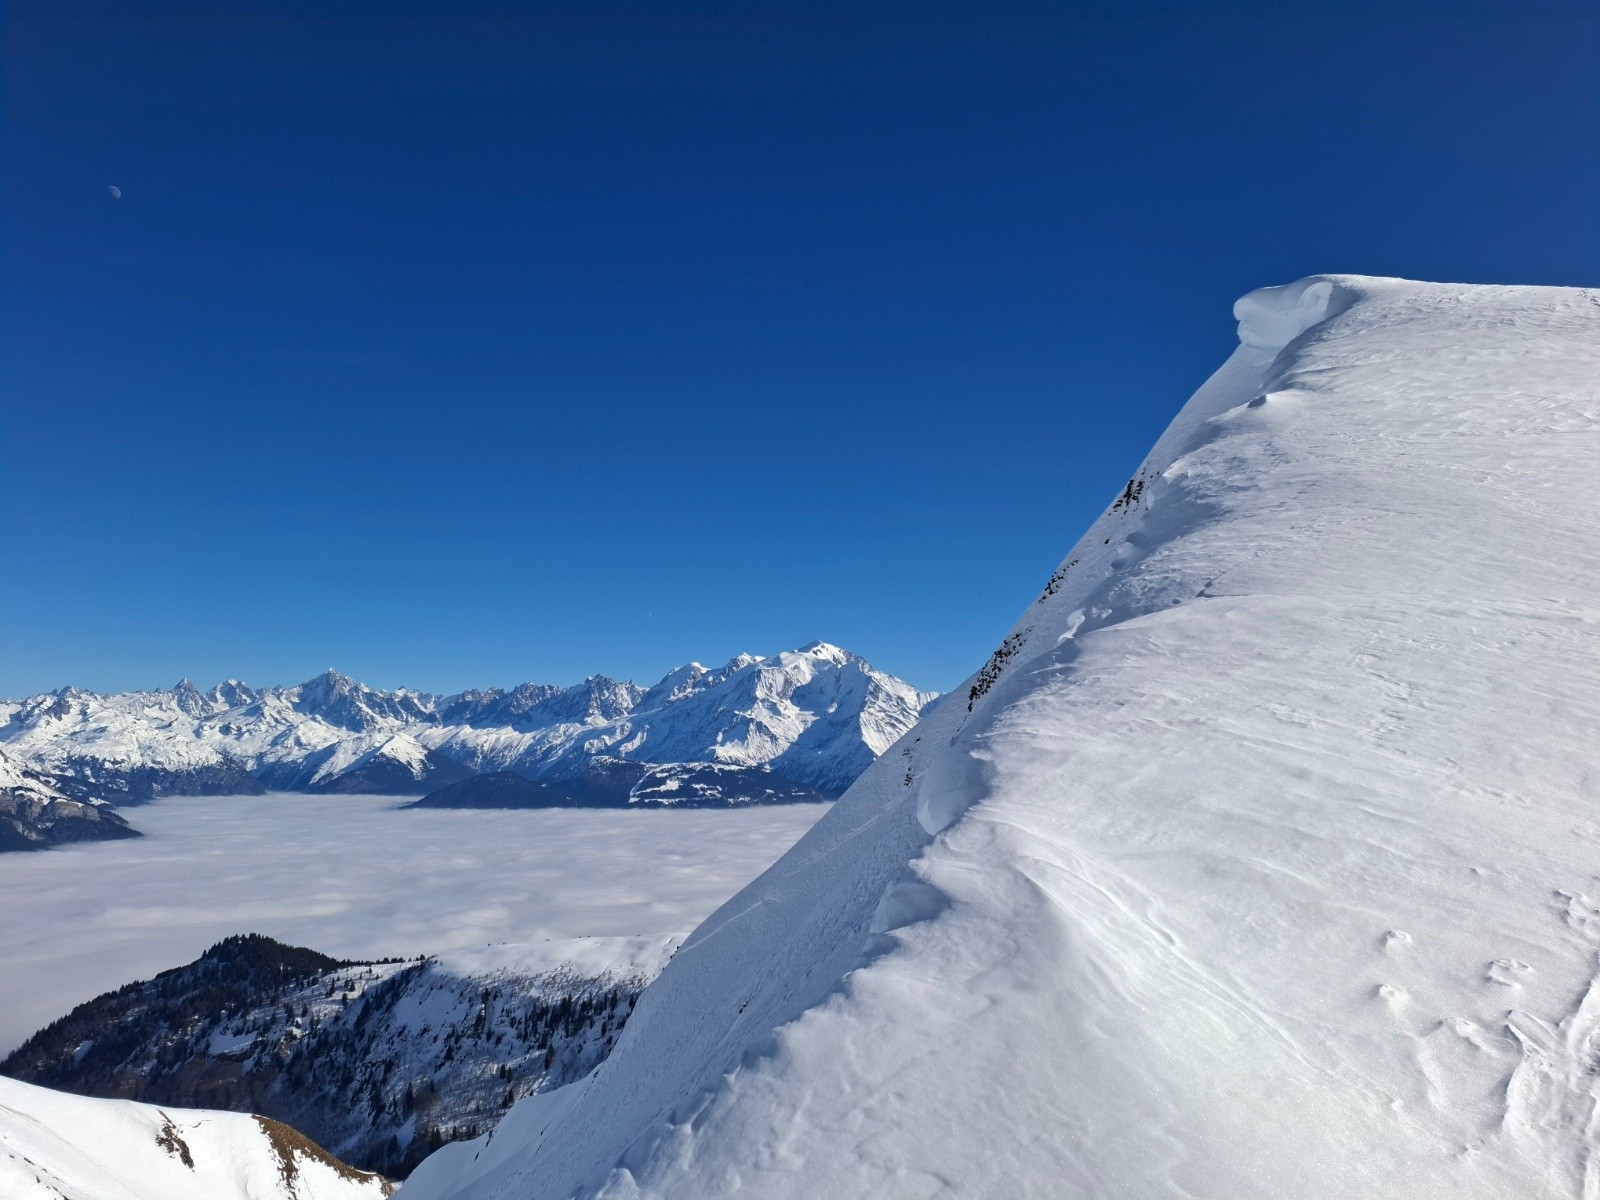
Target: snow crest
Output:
[
  {"x": 1256, "y": 862},
  {"x": 1270, "y": 318}
]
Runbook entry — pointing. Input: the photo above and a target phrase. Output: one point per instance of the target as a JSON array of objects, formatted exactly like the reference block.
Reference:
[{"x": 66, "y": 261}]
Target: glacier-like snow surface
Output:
[{"x": 1259, "y": 862}]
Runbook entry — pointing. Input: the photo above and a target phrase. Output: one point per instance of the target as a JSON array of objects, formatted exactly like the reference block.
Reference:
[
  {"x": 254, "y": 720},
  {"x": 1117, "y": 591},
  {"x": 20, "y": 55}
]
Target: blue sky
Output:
[{"x": 462, "y": 344}]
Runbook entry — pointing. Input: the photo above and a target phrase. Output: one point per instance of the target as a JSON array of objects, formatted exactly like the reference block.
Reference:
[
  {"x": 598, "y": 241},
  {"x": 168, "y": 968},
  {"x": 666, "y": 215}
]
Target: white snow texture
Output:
[{"x": 1261, "y": 865}]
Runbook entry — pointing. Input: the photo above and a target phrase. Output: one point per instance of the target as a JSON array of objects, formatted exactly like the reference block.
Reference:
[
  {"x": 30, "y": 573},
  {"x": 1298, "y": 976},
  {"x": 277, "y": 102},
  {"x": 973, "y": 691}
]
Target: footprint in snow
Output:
[
  {"x": 1390, "y": 994},
  {"x": 1396, "y": 939}
]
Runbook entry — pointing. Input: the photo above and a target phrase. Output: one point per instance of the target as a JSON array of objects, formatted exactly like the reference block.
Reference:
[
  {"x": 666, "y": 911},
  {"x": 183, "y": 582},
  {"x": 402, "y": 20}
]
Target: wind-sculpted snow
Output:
[
  {"x": 1258, "y": 862},
  {"x": 815, "y": 718}
]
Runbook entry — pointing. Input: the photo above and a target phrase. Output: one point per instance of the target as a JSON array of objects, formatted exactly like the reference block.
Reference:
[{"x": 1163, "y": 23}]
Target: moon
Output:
[{"x": 116, "y": 192}]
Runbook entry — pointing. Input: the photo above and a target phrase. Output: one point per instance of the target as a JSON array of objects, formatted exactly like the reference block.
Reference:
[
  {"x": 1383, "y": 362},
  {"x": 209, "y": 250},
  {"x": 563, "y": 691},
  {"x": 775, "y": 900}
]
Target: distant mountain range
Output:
[{"x": 797, "y": 725}]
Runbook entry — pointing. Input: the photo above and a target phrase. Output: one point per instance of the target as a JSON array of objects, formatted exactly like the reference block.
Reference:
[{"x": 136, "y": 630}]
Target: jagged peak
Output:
[
  {"x": 677, "y": 683},
  {"x": 188, "y": 698},
  {"x": 533, "y": 689},
  {"x": 231, "y": 693},
  {"x": 332, "y": 678}
]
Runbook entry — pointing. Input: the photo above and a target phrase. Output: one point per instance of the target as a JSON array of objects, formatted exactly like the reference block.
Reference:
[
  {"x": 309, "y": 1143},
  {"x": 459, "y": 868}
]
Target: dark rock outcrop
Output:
[
  {"x": 31, "y": 823},
  {"x": 39, "y": 810},
  {"x": 385, "y": 776},
  {"x": 497, "y": 789}
]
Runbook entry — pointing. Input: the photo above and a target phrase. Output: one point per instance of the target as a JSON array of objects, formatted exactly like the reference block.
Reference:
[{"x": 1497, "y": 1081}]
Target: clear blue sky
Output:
[{"x": 461, "y": 344}]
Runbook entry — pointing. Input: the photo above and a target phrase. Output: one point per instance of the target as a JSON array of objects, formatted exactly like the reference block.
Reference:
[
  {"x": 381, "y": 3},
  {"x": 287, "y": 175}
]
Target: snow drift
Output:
[{"x": 1257, "y": 862}]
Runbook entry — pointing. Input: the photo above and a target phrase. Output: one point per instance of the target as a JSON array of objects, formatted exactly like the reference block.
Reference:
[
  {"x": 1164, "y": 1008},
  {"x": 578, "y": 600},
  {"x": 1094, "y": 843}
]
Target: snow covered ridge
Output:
[
  {"x": 1261, "y": 864},
  {"x": 815, "y": 718},
  {"x": 380, "y": 1062},
  {"x": 59, "y": 1147}
]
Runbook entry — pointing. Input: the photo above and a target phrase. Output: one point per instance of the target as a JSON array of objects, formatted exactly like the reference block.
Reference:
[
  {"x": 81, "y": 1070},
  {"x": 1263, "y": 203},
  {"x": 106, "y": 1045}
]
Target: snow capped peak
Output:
[
  {"x": 330, "y": 683},
  {"x": 596, "y": 700},
  {"x": 189, "y": 700},
  {"x": 828, "y": 652},
  {"x": 402, "y": 748},
  {"x": 323, "y": 690},
  {"x": 674, "y": 685},
  {"x": 343, "y": 702},
  {"x": 231, "y": 693}
]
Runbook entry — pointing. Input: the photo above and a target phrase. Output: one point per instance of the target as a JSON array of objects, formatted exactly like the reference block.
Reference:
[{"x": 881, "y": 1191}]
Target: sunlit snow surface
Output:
[
  {"x": 1265, "y": 864},
  {"x": 355, "y": 876},
  {"x": 54, "y": 1146}
]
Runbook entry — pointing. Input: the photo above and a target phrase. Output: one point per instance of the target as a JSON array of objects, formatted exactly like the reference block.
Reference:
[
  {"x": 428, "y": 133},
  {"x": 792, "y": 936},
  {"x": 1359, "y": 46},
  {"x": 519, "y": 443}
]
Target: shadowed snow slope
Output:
[{"x": 1258, "y": 862}]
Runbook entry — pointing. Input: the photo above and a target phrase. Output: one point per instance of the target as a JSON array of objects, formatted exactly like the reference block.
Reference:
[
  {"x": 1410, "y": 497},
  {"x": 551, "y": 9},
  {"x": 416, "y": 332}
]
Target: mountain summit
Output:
[{"x": 1258, "y": 860}]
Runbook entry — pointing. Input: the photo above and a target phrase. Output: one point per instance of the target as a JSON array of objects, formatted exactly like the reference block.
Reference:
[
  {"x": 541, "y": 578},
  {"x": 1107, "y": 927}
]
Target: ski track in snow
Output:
[
  {"x": 355, "y": 877},
  {"x": 1261, "y": 863}
]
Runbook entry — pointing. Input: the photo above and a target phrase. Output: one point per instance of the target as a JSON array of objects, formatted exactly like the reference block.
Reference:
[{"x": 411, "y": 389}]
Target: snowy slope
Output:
[
  {"x": 14, "y": 777},
  {"x": 1261, "y": 865},
  {"x": 815, "y": 717},
  {"x": 59, "y": 1147}
]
